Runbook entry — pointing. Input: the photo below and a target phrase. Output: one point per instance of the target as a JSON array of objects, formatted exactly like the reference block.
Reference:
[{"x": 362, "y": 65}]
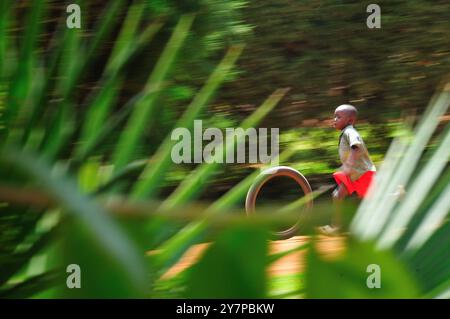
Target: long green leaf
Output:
[
  {"x": 136, "y": 125},
  {"x": 89, "y": 213},
  {"x": 19, "y": 260},
  {"x": 174, "y": 247},
  {"x": 416, "y": 193},
  {"x": 150, "y": 179},
  {"x": 21, "y": 81},
  {"x": 5, "y": 12},
  {"x": 71, "y": 70},
  {"x": 197, "y": 180},
  {"x": 401, "y": 175},
  {"x": 84, "y": 149},
  {"x": 435, "y": 216},
  {"x": 239, "y": 256},
  {"x": 126, "y": 36},
  {"x": 102, "y": 101},
  {"x": 39, "y": 103},
  {"x": 32, "y": 286},
  {"x": 99, "y": 109},
  {"x": 124, "y": 49}
]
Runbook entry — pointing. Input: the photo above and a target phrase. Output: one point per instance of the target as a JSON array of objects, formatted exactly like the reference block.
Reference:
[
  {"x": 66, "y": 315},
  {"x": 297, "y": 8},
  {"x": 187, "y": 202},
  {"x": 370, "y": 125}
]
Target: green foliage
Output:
[
  {"x": 348, "y": 275},
  {"x": 47, "y": 131},
  {"x": 153, "y": 173},
  {"x": 233, "y": 267},
  {"x": 143, "y": 108},
  {"x": 324, "y": 51},
  {"x": 93, "y": 220},
  {"x": 76, "y": 123}
]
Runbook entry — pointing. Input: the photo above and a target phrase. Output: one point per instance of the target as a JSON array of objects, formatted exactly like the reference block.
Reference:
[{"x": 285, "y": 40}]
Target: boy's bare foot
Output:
[{"x": 328, "y": 230}]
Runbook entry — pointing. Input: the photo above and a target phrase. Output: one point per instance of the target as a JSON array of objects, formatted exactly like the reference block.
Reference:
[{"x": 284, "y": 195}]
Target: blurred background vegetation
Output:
[{"x": 86, "y": 116}]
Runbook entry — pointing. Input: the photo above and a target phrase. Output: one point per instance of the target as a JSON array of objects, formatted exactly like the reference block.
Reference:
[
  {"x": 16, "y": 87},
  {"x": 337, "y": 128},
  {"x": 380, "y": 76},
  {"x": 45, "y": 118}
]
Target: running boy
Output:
[{"x": 357, "y": 170}]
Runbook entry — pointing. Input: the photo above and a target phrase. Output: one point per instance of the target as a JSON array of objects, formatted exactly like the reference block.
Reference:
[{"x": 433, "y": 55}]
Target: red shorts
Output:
[{"x": 360, "y": 186}]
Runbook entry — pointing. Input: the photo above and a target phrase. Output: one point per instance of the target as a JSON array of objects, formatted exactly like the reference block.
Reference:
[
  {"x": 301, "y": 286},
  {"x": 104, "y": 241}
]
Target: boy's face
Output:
[{"x": 341, "y": 119}]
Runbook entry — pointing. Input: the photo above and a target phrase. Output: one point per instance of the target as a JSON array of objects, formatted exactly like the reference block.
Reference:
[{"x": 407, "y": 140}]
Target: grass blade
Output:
[
  {"x": 433, "y": 219},
  {"x": 150, "y": 179},
  {"x": 192, "y": 185},
  {"x": 401, "y": 175},
  {"x": 93, "y": 134},
  {"x": 89, "y": 213},
  {"x": 174, "y": 247},
  {"x": 416, "y": 194},
  {"x": 31, "y": 286},
  {"x": 5, "y": 12},
  {"x": 137, "y": 123},
  {"x": 21, "y": 82}
]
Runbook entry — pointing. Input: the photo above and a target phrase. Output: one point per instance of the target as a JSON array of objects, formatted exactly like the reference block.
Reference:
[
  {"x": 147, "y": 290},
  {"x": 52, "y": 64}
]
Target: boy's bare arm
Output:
[{"x": 354, "y": 155}]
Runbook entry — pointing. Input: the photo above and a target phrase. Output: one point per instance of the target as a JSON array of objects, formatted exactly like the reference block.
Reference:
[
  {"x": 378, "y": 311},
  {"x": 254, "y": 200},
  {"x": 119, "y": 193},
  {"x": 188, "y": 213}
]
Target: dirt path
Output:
[{"x": 290, "y": 264}]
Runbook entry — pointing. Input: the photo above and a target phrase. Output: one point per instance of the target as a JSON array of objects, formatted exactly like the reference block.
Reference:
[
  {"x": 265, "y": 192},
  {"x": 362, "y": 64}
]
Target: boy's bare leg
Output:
[
  {"x": 340, "y": 192},
  {"x": 338, "y": 196}
]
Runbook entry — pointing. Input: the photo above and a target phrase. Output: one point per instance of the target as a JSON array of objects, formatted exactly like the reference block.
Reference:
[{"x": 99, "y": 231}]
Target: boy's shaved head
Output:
[
  {"x": 350, "y": 110},
  {"x": 344, "y": 115}
]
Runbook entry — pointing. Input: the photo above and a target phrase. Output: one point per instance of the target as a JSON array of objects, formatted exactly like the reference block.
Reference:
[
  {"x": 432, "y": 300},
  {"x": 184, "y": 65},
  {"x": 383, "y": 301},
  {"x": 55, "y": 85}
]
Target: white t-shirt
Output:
[{"x": 350, "y": 137}]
